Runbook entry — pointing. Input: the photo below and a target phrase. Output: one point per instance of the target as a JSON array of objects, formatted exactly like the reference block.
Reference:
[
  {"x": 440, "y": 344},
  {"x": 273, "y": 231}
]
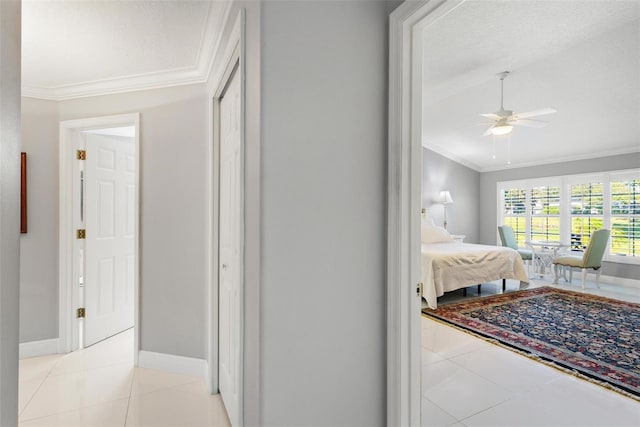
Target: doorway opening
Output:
[
  {"x": 99, "y": 230},
  {"x": 404, "y": 327}
]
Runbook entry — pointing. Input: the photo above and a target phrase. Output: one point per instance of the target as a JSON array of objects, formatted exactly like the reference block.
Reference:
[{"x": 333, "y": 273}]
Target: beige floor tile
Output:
[
  {"x": 37, "y": 367},
  {"x": 150, "y": 380},
  {"x": 432, "y": 415},
  {"x": 172, "y": 407},
  {"x": 459, "y": 392},
  {"x": 508, "y": 369},
  {"x": 109, "y": 414},
  {"x": 449, "y": 342},
  {"x": 26, "y": 391},
  {"x": 76, "y": 390},
  {"x": 113, "y": 351}
]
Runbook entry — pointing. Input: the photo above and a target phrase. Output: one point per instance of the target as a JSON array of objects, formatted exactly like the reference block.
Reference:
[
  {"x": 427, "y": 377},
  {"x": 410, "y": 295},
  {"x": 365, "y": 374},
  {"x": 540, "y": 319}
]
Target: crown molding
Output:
[
  {"x": 199, "y": 73},
  {"x": 211, "y": 41},
  {"x": 449, "y": 155},
  {"x": 595, "y": 155},
  {"x": 117, "y": 85}
]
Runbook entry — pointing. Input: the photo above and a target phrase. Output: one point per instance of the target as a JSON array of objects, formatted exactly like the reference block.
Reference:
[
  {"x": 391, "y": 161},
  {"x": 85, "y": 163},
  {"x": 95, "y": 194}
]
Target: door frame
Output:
[
  {"x": 233, "y": 56},
  {"x": 68, "y": 261},
  {"x": 406, "y": 24},
  {"x": 232, "y": 71}
]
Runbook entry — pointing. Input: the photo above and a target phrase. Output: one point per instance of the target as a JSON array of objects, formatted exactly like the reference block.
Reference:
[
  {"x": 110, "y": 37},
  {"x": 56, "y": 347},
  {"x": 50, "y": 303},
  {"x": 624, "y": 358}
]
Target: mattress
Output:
[{"x": 452, "y": 265}]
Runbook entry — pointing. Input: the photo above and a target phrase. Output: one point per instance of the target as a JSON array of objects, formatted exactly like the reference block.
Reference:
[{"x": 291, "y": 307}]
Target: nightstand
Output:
[{"x": 459, "y": 238}]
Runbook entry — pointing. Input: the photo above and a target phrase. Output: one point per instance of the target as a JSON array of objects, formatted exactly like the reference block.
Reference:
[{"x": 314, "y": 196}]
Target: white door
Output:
[
  {"x": 109, "y": 242},
  {"x": 231, "y": 229}
]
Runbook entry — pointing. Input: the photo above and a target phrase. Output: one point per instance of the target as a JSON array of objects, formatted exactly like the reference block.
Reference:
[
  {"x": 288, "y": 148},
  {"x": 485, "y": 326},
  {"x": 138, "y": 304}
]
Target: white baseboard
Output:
[
  {"x": 172, "y": 363},
  {"x": 38, "y": 348},
  {"x": 621, "y": 281}
]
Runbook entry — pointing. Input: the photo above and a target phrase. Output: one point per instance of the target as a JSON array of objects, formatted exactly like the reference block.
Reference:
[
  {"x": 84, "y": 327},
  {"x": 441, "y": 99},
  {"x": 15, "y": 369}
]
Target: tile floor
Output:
[
  {"x": 99, "y": 386},
  {"x": 466, "y": 382},
  {"x": 469, "y": 382}
]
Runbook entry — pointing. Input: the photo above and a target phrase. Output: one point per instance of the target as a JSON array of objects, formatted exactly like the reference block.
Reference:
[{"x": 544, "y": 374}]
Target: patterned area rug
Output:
[{"x": 594, "y": 337}]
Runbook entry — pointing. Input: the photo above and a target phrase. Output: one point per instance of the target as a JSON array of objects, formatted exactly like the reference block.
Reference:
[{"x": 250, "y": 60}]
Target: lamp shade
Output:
[{"x": 445, "y": 197}]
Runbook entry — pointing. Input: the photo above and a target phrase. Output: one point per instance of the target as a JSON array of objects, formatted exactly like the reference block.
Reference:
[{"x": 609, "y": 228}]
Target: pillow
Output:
[
  {"x": 432, "y": 234},
  {"x": 427, "y": 221}
]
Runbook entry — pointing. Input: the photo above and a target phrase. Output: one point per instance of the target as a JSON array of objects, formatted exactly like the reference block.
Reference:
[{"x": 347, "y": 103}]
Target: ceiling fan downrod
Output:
[{"x": 503, "y": 75}]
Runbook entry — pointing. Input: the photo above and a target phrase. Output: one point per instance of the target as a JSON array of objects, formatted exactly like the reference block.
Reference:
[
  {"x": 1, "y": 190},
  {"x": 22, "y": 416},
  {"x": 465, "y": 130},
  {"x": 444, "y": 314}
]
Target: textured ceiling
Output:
[
  {"x": 580, "y": 57},
  {"x": 80, "y": 48}
]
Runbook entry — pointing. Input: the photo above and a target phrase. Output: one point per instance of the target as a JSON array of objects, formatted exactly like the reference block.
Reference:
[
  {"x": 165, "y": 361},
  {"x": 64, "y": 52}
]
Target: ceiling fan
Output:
[{"x": 502, "y": 121}]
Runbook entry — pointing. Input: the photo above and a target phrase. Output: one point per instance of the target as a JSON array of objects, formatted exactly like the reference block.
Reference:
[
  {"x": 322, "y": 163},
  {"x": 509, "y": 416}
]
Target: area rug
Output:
[{"x": 593, "y": 337}]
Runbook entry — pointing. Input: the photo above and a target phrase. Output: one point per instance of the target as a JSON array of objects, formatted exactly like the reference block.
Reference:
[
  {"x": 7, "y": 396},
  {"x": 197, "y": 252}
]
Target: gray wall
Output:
[
  {"x": 10, "y": 13},
  {"x": 39, "y": 247},
  {"x": 173, "y": 138},
  {"x": 488, "y": 205},
  {"x": 324, "y": 144},
  {"x": 173, "y": 132},
  {"x": 440, "y": 173}
]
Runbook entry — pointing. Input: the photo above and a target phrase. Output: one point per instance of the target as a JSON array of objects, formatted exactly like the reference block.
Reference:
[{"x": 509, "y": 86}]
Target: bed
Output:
[{"x": 448, "y": 265}]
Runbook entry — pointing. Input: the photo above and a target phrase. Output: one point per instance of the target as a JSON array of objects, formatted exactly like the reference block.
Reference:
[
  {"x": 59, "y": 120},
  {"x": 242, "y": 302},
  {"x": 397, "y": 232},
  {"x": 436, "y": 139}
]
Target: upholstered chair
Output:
[
  {"x": 508, "y": 239},
  {"x": 591, "y": 258}
]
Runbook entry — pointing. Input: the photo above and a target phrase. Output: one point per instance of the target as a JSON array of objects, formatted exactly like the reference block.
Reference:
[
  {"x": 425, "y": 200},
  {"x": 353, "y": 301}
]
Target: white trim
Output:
[
  {"x": 406, "y": 25},
  {"x": 444, "y": 153},
  {"x": 211, "y": 44},
  {"x": 234, "y": 53},
  {"x": 600, "y": 154},
  {"x": 198, "y": 73},
  {"x": 620, "y": 281},
  {"x": 172, "y": 363},
  {"x": 575, "y": 178},
  {"x": 230, "y": 56},
  {"x": 154, "y": 80},
  {"x": 38, "y": 348},
  {"x": 607, "y": 153},
  {"x": 68, "y": 271}
]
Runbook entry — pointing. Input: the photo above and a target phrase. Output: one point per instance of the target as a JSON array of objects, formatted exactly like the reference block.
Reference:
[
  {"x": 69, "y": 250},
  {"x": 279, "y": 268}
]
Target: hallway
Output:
[{"x": 98, "y": 386}]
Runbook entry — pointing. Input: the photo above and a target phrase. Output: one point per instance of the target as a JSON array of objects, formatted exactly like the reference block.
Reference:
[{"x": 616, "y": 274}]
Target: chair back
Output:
[
  {"x": 507, "y": 237},
  {"x": 592, "y": 257}
]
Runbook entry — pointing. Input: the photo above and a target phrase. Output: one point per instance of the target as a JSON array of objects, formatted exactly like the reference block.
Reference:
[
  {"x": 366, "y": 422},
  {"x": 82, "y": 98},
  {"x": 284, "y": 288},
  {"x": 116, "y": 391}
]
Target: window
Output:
[
  {"x": 514, "y": 209},
  {"x": 587, "y": 213},
  {"x": 545, "y": 213},
  {"x": 625, "y": 217},
  {"x": 570, "y": 208}
]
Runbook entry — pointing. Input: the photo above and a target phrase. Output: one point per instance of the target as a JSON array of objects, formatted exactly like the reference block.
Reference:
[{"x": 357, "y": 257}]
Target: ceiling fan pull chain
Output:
[
  {"x": 509, "y": 149},
  {"x": 493, "y": 155},
  {"x": 502, "y": 92}
]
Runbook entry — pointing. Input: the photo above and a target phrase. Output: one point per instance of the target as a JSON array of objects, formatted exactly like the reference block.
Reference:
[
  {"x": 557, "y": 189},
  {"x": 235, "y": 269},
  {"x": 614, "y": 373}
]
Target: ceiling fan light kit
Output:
[
  {"x": 501, "y": 129},
  {"x": 502, "y": 121}
]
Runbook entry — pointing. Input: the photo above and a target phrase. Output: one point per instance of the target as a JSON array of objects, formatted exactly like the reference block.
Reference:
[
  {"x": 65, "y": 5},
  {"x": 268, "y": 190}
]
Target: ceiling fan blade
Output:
[
  {"x": 534, "y": 113},
  {"x": 529, "y": 123},
  {"x": 488, "y": 131},
  {"x": 491, "y": 116}
]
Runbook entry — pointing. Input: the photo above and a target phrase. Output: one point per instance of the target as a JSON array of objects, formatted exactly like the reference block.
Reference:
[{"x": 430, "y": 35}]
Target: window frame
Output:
[
  {"x": 565, "y": 182},
  {"x": 616, "y": 177},
  {"x": 553, "y": 184}
]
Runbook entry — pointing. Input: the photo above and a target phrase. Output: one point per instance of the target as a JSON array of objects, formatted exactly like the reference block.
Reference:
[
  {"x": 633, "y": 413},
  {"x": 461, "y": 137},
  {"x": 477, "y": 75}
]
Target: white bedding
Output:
[{"x": 451, "y": 265}]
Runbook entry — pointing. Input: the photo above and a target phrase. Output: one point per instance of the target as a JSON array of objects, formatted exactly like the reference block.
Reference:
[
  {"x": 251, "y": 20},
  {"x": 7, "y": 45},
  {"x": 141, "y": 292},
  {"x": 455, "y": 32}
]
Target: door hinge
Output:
[
  {"x": 80, "y": 313},
  {"x": 419, "y": 289},
  {"x": 81, "y": 155},
  {"x": 81, "y": 233}
]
